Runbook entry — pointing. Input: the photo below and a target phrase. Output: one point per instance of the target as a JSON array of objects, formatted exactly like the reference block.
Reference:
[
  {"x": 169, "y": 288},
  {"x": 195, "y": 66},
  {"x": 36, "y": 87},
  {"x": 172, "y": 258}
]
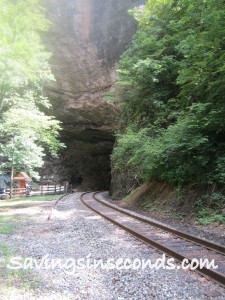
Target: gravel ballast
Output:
[
  {"x": 214, "y": 232},
  {"x": 74, "y": 232}
]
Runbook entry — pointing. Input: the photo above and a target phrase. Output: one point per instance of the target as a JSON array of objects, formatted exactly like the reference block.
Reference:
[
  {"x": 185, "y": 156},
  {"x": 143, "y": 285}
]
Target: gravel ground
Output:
[{"x": 75, "y": 232}]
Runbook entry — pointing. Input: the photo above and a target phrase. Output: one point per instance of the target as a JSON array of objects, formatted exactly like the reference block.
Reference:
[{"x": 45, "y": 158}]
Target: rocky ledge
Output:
[{"x": 86, "y": 39}]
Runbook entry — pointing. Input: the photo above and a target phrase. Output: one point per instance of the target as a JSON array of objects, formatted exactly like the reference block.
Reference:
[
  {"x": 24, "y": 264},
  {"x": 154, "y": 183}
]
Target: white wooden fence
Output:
[{"x": 39, "y": 190}]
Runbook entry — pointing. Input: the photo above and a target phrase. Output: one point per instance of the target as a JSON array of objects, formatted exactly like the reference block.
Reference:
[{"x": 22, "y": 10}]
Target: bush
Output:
[{"x": 172, "y": 95}]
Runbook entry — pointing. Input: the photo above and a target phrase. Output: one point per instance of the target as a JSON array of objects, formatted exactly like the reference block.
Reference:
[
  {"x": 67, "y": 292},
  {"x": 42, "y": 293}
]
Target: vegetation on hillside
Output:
[
  {"x": 26, "y": 132},
  {"x": 172, "y": 92}
]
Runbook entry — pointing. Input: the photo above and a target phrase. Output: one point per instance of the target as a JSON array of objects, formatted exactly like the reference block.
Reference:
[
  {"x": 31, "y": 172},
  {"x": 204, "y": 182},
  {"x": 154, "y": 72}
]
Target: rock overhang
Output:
[{"x": 86, "y": 40}]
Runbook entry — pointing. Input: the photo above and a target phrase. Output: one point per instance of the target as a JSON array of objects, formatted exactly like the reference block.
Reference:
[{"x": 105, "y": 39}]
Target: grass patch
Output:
[
  {"x": 147, "y": 205},
  {"x": 156, "y": 209},
  {"x": 126, "y": 198},
  {"x": 6, "y": 225},
  {"x": 36, "y": 198},
  {"x": 207, "y": 216},
  {"x": 24, "y": 279},
  {"x": 176, "y": 215},
  {"x": 209, "y": 209}
]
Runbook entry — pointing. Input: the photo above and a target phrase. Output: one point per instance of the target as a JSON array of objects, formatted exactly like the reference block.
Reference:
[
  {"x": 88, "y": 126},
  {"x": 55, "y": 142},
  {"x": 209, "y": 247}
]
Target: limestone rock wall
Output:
[{"x": 86, "y": 39}]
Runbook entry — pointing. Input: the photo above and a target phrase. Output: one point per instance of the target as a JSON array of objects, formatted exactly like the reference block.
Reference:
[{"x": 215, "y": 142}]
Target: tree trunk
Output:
[
  {"x": 11, "y": 181},
  {"x": 11, "y": 172}
]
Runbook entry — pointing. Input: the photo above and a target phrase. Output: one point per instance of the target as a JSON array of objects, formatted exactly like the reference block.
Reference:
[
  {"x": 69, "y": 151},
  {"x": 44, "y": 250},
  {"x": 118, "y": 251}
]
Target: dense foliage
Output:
[
  {"x": 172, "y": 93},
  {"x": 25, "y": 131}
]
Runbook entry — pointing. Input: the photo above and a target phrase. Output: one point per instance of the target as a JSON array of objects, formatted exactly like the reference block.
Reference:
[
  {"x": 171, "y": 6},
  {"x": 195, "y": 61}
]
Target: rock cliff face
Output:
[{"x": 86, "y": 39}]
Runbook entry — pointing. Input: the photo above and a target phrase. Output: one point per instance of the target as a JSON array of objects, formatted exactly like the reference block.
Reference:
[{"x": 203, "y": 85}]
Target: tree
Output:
[
  {"x": 26, "y": 132},
  {"x": 23, "y": 61},
  {"x": 25, "y": 136},
  {"x": 172, "y": 90}
]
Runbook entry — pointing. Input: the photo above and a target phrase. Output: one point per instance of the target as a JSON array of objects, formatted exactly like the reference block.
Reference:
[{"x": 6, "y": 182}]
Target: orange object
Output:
[{"x": 22, "y": 178}]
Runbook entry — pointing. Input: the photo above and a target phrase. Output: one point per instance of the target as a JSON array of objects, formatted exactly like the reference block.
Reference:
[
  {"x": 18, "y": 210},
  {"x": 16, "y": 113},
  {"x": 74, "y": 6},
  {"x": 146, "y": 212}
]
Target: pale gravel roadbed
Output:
[{"x": 75, "y": 232}]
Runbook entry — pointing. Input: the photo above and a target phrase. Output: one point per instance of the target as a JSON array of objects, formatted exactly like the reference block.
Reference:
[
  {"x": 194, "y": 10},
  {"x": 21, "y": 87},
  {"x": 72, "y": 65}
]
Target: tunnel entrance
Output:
[
  {"x": 87, "y": 160},
  {"x": 75, "y": 181}
]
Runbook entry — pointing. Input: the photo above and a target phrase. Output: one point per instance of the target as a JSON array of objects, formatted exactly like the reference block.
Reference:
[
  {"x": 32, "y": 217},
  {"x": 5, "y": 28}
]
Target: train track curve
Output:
[{"x": 177, "y": 244}]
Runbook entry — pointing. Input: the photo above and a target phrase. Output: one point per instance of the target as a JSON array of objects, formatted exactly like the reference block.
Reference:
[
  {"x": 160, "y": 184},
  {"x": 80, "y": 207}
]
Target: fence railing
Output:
[{"x": 39, "y": 190}]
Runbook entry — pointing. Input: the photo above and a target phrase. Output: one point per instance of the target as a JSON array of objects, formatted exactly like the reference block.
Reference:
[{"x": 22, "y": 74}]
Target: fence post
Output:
[
  {"x": 10, "y": 192},
  {"x": 65, "y": 189},
  {"x": 41, "y": 189}
]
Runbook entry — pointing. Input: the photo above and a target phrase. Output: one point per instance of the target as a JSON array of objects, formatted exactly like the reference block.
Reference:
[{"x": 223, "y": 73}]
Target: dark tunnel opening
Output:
[
  {"x": 75, "y": 181},
  {"x": 87, "y": 160}
]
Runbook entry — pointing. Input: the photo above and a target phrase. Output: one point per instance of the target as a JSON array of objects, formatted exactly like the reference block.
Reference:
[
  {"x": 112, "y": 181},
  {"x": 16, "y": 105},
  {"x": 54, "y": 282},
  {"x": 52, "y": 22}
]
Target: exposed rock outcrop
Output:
[{"x": 86, "y": 39}]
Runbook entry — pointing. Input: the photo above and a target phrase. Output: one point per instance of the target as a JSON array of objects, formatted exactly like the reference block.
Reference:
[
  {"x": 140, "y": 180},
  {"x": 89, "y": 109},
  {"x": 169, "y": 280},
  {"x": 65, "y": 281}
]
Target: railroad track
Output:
[{"x": 174, "y": 243}]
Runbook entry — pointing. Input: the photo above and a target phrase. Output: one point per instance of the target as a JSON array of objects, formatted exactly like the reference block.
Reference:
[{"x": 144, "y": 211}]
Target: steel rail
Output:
[
  {"x": 199, "y": 241},
  {"x": 216, "y": 276}
]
